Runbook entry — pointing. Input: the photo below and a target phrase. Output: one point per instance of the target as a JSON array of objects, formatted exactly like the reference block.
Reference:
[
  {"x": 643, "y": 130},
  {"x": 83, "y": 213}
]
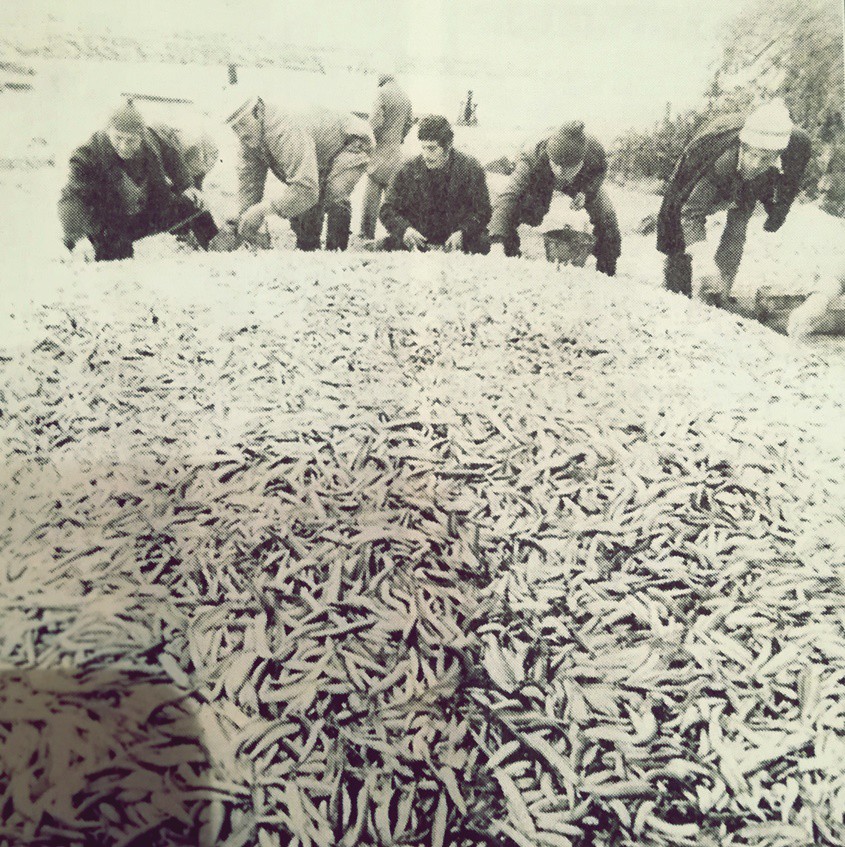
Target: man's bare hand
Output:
[
  {"x": 805, "y": 320},
  {"x": 195, "y": 196},
  {"x": 454, "y": 242},
  {"x": 251, "y": 220},
  {"x": 710, "y": 285},
  {"x": 83, "y": 251},
  {"x": 414, "y": 240}
]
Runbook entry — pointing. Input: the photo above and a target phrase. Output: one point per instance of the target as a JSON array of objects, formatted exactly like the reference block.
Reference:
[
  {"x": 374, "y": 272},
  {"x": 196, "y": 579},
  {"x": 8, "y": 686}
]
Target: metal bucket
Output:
[{"x": 568, "y": 246}]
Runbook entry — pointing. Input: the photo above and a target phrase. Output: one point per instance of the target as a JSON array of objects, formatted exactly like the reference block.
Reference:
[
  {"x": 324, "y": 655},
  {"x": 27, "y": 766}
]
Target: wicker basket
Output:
[{"x": 568, "y": 246}]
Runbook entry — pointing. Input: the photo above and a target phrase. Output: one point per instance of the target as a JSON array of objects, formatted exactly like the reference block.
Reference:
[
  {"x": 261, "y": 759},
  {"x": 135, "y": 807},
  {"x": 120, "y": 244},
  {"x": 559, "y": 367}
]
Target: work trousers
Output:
[
  {"x": 334, "y": 205},
  {"x": 377, "y": 182},
  {"x": 372, "y": 203}
]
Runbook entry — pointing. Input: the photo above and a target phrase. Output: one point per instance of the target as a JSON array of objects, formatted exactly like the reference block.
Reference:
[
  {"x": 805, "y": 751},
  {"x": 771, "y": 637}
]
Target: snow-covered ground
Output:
[
  {"x": 138, "y": 376},
  {"x": 69, "y": 101}
]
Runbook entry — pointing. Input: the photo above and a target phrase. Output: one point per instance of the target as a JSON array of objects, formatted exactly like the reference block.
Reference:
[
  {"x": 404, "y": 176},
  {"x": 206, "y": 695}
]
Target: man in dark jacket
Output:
[
  {"x": 731, "y": 163},
  {"x": 569, "y": 161},
  {"x": 439, "y": 198},
  {"x": 391, "y": 120},
  {"x": 125, "y": 183}
]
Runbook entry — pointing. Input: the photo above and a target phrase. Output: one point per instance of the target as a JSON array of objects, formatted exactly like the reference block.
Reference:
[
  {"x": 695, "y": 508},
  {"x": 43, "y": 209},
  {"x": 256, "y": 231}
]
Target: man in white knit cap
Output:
[{"x": 731, "y": 163}]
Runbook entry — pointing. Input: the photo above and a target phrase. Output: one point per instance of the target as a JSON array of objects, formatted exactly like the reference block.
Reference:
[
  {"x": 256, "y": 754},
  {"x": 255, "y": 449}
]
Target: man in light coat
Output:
[
  {"x": 195, "y": 150},
  {"x": 318, "y": 156},
  {"x": 391, "y": 119},
  {"x": 566, "y": 160}
]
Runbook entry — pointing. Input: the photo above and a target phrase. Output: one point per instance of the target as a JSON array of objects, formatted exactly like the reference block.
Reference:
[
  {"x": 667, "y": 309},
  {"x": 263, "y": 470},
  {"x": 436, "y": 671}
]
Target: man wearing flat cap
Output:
[
  {"x": 438, "y": 199},
  {"x": 570, "y": 161},
  {"x": 125, "y": 183},
  {"x": 317, "y": 155},
  {"x": 733, "y": 162}
]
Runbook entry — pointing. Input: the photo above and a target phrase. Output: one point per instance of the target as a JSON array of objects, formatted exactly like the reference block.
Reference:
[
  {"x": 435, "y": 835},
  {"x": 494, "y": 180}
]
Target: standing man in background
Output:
[
  {"x": 731, "y": 163},
  {"x": 391, "y": 119},
  {"x": 574, "y": 163},
  {"x": 318, "y": 156}
]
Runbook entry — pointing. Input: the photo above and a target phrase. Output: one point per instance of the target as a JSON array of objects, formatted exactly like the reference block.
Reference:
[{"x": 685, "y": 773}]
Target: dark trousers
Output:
[
  {"x": 602, "y": 217},
  {"x": 336, "y": 189},
  {"x": 308, "y": 227},
  {"x": 372, "y": 203},
  {"x": 677, "y": 273},
  {"x": 479, "y": 245},
  {"x": 115, "y": 239}
]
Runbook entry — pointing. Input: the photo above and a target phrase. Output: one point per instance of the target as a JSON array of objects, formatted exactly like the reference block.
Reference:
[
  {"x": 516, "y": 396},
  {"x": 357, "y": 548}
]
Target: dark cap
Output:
[
  {"x": 127, "y": 118},
  {"x": 566, "y": 147},
  {"x": 435, "y": 128}
]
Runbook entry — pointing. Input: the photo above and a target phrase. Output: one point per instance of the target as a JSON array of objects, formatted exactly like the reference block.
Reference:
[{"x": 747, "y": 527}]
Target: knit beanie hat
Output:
[
  {"x": 435, "y": 128},
  {"x": 127, "y": 118},
  {"x": 768, "y": 127},
  {"x": 566, "y": 147}
]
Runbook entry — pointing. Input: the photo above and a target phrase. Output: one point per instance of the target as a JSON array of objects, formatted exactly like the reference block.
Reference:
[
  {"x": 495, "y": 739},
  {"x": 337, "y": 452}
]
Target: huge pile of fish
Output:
[{"x": 404, "y": 557}]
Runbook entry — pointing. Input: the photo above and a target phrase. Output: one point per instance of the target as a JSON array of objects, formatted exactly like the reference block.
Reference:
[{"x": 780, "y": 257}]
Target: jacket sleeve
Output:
[
  {"x": 693, "y": 167},
  {"x": 294, "y": 152},
  {"x": 395, "y": 205},
  {"x": 503, "y": 221},
  {"x": 478, "y": 209},
  {"x": 172, "y": 153},
  {"x": 78, "y": 198},
  {"x": 695, "y": 210},
  {"x": 732, "y": 243},
  {"x": 592, "y": 175},
  {"x": 794, "y": 161},
  {"x": 252, "y": 173}
]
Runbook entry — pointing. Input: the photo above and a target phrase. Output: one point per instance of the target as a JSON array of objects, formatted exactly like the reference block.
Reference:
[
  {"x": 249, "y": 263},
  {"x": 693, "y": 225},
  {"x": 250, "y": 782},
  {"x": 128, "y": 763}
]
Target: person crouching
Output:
[
  {"x": 439, "y": 198},
  {"x": 732, "y": 163},
  {"x": 317, "y": 155},
  {"x": 569, "y": 161},
  {"x": 125, "y": 183}
]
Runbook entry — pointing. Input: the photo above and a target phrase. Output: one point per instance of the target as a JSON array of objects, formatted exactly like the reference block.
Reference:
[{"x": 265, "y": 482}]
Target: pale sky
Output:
[
  {"x": 622, "y": 59},
  {"x": 489, "y": 30}
]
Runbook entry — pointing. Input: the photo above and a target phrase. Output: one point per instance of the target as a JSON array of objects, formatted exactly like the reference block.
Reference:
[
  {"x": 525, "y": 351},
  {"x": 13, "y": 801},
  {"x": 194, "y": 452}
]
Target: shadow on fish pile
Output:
[{"x": 500, "y": 628}]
